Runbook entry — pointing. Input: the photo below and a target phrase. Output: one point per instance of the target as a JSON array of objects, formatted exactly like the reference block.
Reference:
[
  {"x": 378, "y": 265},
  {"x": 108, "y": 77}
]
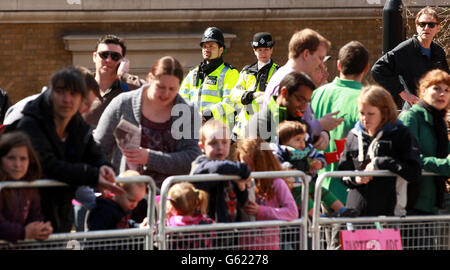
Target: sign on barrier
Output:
[
  {"x": 386, "y": 239},
  {"x": 415, "y": 232}
]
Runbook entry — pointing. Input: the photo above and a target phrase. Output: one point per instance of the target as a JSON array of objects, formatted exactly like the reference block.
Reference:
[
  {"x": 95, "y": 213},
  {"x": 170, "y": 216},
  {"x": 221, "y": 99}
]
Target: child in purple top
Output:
[
  {"x": 20, "y": 209},
  {"x": 274, "y": 200}
]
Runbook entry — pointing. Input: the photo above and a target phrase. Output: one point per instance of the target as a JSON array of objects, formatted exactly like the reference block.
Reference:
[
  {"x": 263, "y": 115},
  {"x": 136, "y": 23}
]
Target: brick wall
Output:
[{"x": 32, "y": 52}]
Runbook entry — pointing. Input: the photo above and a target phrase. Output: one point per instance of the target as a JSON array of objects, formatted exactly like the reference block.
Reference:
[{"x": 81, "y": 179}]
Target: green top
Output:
[
  {"x": 339, "y": 95},
  {"x": 414, "y": 118}
]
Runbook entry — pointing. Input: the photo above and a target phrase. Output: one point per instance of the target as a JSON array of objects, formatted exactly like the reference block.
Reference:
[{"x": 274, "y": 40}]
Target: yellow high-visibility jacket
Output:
[
  {"x": 250, "y": 79},
  {"x": 213, "y": 92}
]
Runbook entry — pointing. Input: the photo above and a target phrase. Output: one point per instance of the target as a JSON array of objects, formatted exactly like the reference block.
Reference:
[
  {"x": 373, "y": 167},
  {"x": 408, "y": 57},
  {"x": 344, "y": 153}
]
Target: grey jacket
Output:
[{"x": 128, "y": 106}]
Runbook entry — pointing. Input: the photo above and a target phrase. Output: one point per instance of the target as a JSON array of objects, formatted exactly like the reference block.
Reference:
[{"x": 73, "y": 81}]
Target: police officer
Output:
[
  {"x": 253, "y": 79},
  {"x": 208, "y": 86}
]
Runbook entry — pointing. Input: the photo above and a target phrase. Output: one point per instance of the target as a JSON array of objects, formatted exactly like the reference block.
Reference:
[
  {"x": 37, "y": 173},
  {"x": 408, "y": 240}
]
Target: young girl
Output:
[
  {"x": 274, "y": 200},
  {"x": 379, "y": 142},
  {"x": 20, "y": 209},
  {"x": 188, "y": 206}
]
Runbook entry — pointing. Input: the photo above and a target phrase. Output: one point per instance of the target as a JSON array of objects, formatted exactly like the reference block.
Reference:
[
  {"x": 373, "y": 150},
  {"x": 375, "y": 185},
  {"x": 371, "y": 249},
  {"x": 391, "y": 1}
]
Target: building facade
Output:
[{"x": 39, "y": 37}]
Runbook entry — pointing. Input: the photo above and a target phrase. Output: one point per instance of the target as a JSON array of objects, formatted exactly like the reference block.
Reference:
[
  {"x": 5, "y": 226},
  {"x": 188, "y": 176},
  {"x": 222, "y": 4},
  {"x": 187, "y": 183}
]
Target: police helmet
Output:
[
  {"x": 213, "y": 34},
  {"x": 262, "y": 39}
]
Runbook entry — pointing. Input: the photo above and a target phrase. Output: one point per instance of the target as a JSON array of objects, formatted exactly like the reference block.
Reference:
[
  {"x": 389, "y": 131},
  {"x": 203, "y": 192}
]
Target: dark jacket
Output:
[
  {"x": 262, "y": 77},
  {"x": 127, "y": 82},
  {"x": 18, "y": 207},
  {"x": 75, "y": 161},
  {"x": 217, "y": 208},
  {"x": 395, "y": 150},
  {"x": 108, "y": 215},
  {"x": 408, "y": 61}
]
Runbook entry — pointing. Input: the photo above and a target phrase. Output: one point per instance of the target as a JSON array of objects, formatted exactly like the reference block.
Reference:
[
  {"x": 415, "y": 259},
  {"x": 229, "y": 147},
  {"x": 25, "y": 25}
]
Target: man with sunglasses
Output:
[
  {"x": 108, "y": 56},
  {"x": 400, "y": 69}
]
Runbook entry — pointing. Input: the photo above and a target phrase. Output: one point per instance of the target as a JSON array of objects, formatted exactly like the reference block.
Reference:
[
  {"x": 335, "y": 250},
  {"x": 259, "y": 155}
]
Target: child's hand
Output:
[
  {"x": 46, "y": 230},
  {"x": 243, "y": 184},
  {"x": 365, "y": 179},
  {"x": 251, "y": 208},
  {"x": 361, "y": 180},
  {"x": 144, "y": 223},
  {"x": 316, "y": 164},
  {"x": 38, "y": 230}
]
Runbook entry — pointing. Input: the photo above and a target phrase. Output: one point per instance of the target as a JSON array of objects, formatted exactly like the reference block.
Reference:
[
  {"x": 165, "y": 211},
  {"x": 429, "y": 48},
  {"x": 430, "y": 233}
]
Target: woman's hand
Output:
[
  {"x": 107, "y": 180},
  {"x": 137, "y": 156}
]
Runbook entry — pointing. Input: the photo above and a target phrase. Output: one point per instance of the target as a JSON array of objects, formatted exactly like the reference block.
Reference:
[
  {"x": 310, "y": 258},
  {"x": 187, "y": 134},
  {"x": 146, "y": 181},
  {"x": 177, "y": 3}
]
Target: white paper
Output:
[{"x": 128, "y": 136}]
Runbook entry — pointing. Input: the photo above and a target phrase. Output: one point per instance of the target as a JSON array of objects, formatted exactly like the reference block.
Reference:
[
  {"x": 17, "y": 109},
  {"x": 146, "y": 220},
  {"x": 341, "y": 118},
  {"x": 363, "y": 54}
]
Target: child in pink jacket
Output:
[
  {"x": 273, "y": 199},
  {"x": 187, "y": 206}
]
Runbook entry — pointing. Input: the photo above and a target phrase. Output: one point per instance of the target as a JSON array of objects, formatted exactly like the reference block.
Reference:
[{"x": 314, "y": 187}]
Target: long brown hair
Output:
[
  {"x": 9, "y": 141},
  {"x": 377, "y": 96},
  {"x": 262, "y": 160},
  {"x": 14, "y": 139}
]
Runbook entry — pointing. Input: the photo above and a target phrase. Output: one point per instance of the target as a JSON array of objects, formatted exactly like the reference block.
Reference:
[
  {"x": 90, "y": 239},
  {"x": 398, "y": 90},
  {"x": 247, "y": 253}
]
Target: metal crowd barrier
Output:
[
  {"x": 236, "y": 235},
  {"x": 106, "y": 239},
  {"x": 417, "y": 232}
]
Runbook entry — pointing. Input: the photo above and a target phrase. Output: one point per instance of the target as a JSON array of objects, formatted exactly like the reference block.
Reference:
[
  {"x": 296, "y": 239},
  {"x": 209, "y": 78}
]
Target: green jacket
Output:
[
  {"x": 338, "y": 95},
  {"x": 420, "y": 122}
]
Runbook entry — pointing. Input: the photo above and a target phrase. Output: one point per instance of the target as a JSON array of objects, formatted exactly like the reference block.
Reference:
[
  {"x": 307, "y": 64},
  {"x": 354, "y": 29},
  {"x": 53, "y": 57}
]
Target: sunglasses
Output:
[
  {"x": 115, "y": 56},
  {"x": 430, "y": 24}
]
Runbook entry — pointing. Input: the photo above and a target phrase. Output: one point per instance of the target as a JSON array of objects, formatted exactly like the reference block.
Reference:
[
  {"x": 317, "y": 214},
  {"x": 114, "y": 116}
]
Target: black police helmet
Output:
[
  {"x": 213, "y": 34},
  {"x": 262, "y": 39}
]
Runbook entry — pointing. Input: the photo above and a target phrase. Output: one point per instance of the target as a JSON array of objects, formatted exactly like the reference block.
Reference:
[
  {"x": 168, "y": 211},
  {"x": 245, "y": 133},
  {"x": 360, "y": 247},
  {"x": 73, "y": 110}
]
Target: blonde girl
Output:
[{"x": 188, "y": 206}]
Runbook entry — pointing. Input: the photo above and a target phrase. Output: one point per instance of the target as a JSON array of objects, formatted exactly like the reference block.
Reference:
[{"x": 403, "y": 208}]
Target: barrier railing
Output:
[
  {"x": 105, "y": 239},
  {"x": 236, "y": 235},
  {"x": 410, "y": 225}
]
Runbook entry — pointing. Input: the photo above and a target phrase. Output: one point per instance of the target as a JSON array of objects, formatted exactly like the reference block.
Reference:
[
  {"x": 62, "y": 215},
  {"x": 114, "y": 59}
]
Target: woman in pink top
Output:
[{"x": 273, "y": 199}]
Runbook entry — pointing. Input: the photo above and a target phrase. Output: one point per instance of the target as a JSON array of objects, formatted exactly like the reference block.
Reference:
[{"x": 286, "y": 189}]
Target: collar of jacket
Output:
[
  {"x": 386, "y": 128},
  {"x": 253, "y": 68},
  {"x": 347, "y": 83},
  {"x": 207, "y": 68},
  {"x": 417, "y": 46},
  {"x": 425, "y": 114}
]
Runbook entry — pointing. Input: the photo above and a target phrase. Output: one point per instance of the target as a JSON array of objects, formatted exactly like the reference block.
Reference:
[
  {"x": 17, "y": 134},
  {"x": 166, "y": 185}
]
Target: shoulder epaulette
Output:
[
  {"x": 249, "y": 66},
  {"x": 228, "y": 65}
]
